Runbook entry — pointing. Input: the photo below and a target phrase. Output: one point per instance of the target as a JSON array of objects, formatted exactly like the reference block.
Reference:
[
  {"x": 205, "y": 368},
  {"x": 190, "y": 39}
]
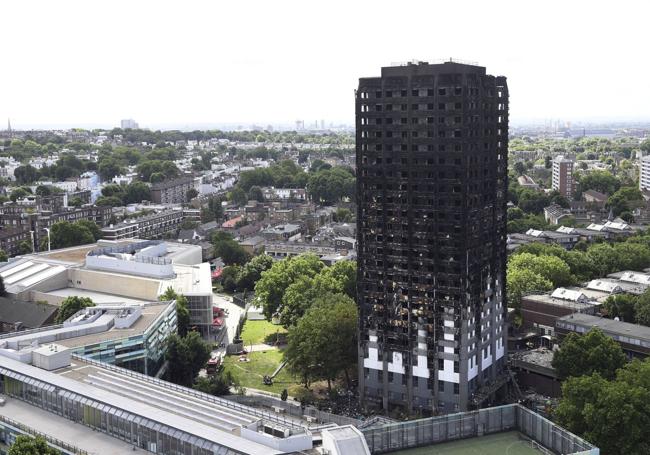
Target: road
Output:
[{"x": 232, "y": 315}]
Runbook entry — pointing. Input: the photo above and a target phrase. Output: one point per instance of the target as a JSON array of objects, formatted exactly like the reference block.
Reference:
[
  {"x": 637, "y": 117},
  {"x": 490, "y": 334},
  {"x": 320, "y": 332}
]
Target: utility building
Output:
[{"x": 432, "y": 145}]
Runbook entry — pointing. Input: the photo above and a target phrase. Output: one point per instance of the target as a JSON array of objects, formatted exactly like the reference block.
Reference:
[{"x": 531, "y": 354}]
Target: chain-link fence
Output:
[{"x": 423, "y": 432}]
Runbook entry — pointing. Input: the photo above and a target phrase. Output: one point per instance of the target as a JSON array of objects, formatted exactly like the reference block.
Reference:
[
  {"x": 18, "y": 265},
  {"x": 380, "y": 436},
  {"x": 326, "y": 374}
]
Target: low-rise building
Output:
[
  {"x": 172, "y": 191},
  {"x": 151, "y": 226},
  {"x": 633, "y": 338},
  {"x": 116, "y": 272},
  {"x": 282, "y": 232}
]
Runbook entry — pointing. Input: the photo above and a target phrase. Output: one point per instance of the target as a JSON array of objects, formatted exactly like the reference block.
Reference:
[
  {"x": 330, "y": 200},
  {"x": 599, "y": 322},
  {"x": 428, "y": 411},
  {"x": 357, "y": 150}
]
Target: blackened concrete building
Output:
[{"x": 432, "y": 144}]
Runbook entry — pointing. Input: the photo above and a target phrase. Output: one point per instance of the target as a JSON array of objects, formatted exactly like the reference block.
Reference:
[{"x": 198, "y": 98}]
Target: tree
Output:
[
  {"x": 531, "y": 201},
  {"x": 238, "y": 196},
  {"x": 92, "y": 227},
  {"x": 25, "y": 247},
  {"x": 75, "y": 202},
  {"x": 323, "y": 343},
  {"x": 4, "y": 257},
  {"x": 217, "y": 384},
  {"x": 552, "y": 268},
  {"x": 255, "y": 194},
  {"x": 18, "y": 193},
  {"x": 602, "y": 181},
  {"x": 70, "y": 306},
  {"x": 284, "y": 395},
  {"x": 111, "y": 201},
  {"x": 191, "y": 194},
  {"x": 519, "y": 168},
  {"x": 605, "y": 258},
  {"x": 108, "y": 169},
  {"x": 593, "y": 352},
  {"x": 229, "y": 250},
  {"x": 270, "y": 289},
  {"x": 43, "y": 190},
  {"x": 64, "y": 234},
  {"x": 168, "y": 295},
  {"x": 331, "y": 185},
  {"x": 625, "y": 199},
  {"x": 182, "y": 315},
  {"x": 342, "y": 215},
  {"x": 26, "y": 174},
  {"x": 136, "y": 192},
  {"x": 621, "y": 306},
  {"x": 252, "y": 271},
  {"x": 186, "y": 356},
  {"x": 519, "y": 282},
  {"x": 28, "y": 445},
  {"x": 613, "y": 415},
  {"x": 230, "y": 278}
]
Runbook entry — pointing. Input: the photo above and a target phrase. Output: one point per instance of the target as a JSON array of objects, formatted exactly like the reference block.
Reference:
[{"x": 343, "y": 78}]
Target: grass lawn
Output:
[
  {"x": 250, "y": 374},
  {"x": 258, "y": 332}
]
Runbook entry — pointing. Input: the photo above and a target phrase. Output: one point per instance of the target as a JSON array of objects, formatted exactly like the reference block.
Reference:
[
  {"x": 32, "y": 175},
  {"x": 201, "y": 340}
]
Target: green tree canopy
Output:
[
  {"x": 186, "y": 356},
  {"x": 552, "y": 268},
  {"x": 228, "y": 249},
  {"x": 602, "y": 181},
  {"x": 593, "y": 352},
  {"x": 613, "y": 415},
  {"x": 70, "y": 306},
  {"x": 28, "y": 445},
  {"x": 271, "y": 287},
  {"x": 323, "y": 343},
  {"x": 64, "y": 234},
  {"x": 620, "y": 306},
  {"x": 252, "y": 271},
  {"x": 625, "y": 199},
  {"x": 520, "y": 282}
]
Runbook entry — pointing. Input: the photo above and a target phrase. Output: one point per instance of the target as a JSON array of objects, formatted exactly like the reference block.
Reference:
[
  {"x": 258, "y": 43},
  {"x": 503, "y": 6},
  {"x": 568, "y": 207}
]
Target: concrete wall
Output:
[
  {"x": 128, "y": 286},
  {"x": 135, "y": 267}
]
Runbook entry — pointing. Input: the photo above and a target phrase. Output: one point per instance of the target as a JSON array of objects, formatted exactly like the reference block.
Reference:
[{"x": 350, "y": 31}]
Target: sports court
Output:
[{"x": 509, "y": 443}]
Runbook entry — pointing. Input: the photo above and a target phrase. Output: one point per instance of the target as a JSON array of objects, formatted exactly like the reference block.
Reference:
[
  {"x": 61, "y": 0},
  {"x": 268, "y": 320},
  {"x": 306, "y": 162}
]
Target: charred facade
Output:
[{"x": 432, "y": 142}]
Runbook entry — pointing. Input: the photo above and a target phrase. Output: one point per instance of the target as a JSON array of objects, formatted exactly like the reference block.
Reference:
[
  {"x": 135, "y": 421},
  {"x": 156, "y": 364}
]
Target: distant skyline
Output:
[{"x": 73, "y": 63}]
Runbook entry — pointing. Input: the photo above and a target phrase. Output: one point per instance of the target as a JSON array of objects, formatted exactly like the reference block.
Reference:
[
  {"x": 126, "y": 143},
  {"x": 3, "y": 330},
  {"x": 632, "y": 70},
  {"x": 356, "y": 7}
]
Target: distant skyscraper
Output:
[
  {"x": 129, "y": 124},
  {"x": 432, "y": 146},
  {"x": 9, "y": 127},
  {"x": 562, "y": 178}
]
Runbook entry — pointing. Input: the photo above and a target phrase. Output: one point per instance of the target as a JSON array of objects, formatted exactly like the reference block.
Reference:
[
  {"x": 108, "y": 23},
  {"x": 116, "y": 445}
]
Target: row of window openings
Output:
[
  {"x": 429, "y": 107},
  {"x": 442, "y": 91},
  {"x": 441, "y": 120},
  {"x": 430, "y": 148},
  {"x": 429, "y": 134}
]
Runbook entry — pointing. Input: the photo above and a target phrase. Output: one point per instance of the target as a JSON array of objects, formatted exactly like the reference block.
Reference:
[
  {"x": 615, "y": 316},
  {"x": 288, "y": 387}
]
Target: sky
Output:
[{"x": 181, "y": 63}]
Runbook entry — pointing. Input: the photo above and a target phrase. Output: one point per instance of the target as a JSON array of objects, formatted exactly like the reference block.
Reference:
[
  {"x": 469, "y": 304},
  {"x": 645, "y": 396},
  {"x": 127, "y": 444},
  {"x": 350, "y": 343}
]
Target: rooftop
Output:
[
  {"x": 141, "y": 397},
  {"x": 607, "y": 325},
  {"x": 72, "y": 433}
]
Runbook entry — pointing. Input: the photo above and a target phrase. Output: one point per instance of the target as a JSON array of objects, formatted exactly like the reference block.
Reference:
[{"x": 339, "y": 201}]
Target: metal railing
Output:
[
  {"x": 33, "y": 432},
  {"x": 278, "y": 419},
  {"x": 514, "y": 417}
]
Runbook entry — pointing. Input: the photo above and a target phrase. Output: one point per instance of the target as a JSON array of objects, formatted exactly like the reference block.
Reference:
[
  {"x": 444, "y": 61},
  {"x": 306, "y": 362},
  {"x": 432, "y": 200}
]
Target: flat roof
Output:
[
  {"x": 74, "y": 254},
  {"x": 98, "y": 297},
  {"x": 68, "y": 431},
  {"x": 169, "y": 415},
  {"x": 607, "y": 325},
  {"x": 548, "y": 299},
  {"x": 148, "y": 316}
]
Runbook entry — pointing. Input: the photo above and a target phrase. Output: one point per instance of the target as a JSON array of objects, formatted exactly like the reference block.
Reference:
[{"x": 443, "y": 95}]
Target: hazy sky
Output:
[{"x": 272, "y": 61}]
